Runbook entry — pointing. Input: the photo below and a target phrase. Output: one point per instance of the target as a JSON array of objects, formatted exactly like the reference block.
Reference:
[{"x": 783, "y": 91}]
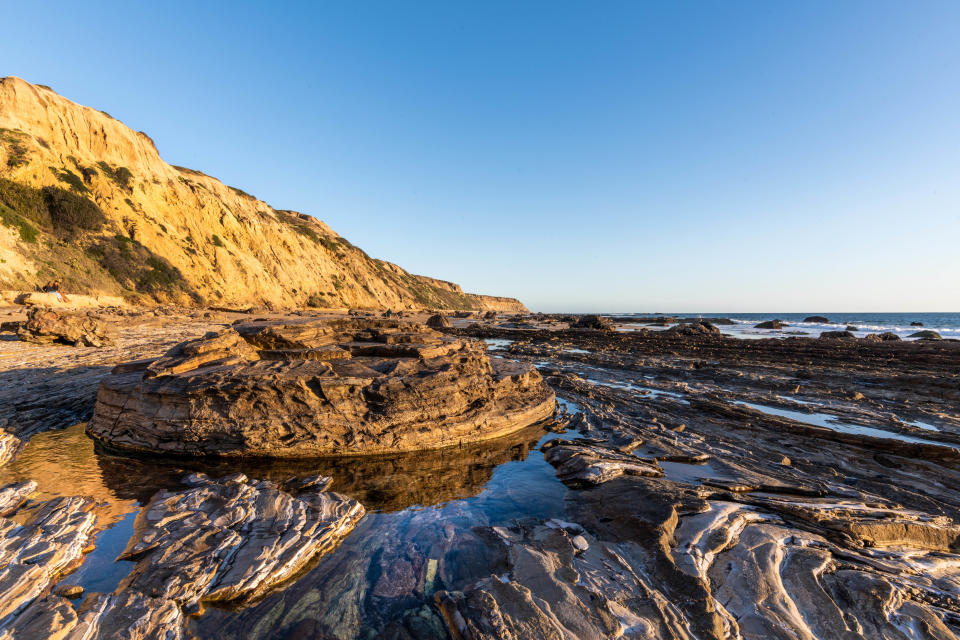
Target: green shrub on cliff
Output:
[
  {"x": 28, "y": 232},
  {"x": 71, "y": 212}
]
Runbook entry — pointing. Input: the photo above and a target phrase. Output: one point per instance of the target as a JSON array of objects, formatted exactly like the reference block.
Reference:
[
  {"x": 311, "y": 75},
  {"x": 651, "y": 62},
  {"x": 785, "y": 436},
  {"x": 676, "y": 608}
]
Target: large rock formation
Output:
[
  {"x": 316, "y": 388},
  {"x": 44, "y": 326},
  {"x": 124, "y": 222}
]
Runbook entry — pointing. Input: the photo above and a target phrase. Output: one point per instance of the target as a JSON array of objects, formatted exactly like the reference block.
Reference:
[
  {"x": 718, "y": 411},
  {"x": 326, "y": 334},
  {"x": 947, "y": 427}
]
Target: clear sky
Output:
[{"x": 611, "y": 156}]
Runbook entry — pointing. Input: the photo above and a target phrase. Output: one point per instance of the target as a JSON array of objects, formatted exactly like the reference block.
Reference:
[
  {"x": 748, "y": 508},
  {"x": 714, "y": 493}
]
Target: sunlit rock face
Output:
[{"x": 317, "y": 388}]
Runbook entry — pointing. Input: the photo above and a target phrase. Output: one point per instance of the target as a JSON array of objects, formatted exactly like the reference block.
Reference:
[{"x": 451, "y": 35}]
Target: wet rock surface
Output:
[
  {"x": 230, "y": 539},
  {"x": 730, "y": 488},
  {"x": 312, "y": 388},
  {"x": 690, "y": 485}
]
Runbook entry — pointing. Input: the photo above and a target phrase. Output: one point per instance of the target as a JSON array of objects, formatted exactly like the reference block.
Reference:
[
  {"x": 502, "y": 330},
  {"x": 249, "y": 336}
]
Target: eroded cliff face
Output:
[{"x": 86, "y": 199}]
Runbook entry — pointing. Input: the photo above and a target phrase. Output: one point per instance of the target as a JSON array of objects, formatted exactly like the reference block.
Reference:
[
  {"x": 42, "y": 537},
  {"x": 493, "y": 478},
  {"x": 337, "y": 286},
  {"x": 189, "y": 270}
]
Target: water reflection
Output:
[
  {"x": 424, "y": 530},
  {"x": 380, "y": 483}
]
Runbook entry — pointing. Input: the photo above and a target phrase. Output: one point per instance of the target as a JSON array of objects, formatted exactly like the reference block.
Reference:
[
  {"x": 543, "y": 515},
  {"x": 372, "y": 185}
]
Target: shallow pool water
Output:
[
  {"x": 833, "y": 423},
  {"x": 420, "y": 533}
]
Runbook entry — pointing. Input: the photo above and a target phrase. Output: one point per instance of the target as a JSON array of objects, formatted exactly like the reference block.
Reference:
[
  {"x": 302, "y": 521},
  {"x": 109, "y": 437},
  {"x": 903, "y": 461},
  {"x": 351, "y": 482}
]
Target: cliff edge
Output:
[{"x": 86, "y": 199}]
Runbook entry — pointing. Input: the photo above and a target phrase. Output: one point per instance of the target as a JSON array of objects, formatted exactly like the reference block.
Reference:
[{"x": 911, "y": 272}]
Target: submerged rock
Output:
[
  {"x": 771, "y": 324},
  {"x": 78, "y": 329},
  {"x": 312, "y": 388}
]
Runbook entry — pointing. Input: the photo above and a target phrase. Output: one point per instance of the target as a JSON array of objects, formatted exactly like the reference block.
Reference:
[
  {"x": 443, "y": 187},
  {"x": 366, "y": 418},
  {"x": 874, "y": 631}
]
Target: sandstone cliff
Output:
[{"x": 86, "y": 199}]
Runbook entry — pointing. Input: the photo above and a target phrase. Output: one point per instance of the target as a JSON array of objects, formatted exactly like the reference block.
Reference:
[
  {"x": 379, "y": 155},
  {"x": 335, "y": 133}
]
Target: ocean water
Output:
[{"x": 946, "y": 324}]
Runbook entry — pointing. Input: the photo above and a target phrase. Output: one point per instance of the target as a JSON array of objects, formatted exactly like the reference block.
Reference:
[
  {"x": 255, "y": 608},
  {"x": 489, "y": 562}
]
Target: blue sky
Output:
[{"x": 615, "y": 156}]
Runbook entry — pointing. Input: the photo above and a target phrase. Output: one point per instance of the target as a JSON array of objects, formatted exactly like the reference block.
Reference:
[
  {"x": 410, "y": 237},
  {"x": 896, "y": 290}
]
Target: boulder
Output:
[
  {"x": 698, "y": 328},
  {"x": 916, "y": 324},
  {"x": 438, "y": 321},
  {"x": 490, "y": 315},
  {"x": 594, "y": 322},
  {"x": 850, "y": 327},
  {"x": 44, "y": 326},
  {"x": 771, "y": 324},
  {"x": 817, "y": 319},
  {"x": 881, "y": 337},
  {"x": 837, "y": 335},
  {"x": 926, "y": 335},
  {"x": 312, "y": 387}
]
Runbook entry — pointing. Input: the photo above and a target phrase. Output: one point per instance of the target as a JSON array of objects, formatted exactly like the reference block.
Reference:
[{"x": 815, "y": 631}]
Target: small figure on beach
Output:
[{"x": 53, "y": 286}]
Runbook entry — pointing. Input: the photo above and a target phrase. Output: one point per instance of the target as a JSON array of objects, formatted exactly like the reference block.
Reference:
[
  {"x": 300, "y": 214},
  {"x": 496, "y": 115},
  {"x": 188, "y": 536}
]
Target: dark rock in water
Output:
[
  {"x": 926, "y": 335},
  {"x": 490, "y": 315},
  {"x": 850, "y": 327},
  {"x": 817, "y": 319},
  {"x": 311, "y": 388},
  {"x": 881, "y": 337},
  {"x": 837, "y": 335},
  {"x": 771, "y": 324},
  {"x": 698, "y": 328},
  {"x": 916, "y": 324},
  {"x": 594, "y": 322},
  {"x": 44, "y": 326},
  {"x": 438, "y": 321}
]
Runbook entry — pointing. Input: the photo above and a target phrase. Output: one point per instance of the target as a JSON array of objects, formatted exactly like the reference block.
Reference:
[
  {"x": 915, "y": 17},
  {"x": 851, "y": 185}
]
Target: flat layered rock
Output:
[
  {"x": 230, "y": 539},
  {"x": 313, "y": 388},
  {"x": 50, "y": 542},
  {"x": 10, "y": 446}
]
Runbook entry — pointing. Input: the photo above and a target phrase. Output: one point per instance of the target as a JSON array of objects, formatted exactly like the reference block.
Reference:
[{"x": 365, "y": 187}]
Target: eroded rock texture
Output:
[
  {"x": 9, "y": 447},
  {"x": 45, "y": 325},
  {"x": 226, "y": 540},
  {"x": 729, "y": 488},
  {"x": 311, "y": 388},
  {"x": 35, "y": 551}
]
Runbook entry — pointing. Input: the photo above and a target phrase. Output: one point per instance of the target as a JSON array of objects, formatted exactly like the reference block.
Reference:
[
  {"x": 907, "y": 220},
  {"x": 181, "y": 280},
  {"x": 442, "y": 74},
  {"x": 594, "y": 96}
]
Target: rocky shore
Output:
[{"x": 688, "y": 485}]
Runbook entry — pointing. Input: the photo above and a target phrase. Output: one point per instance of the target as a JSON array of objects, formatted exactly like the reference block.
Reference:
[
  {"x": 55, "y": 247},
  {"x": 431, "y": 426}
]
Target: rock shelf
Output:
[{"x": 312, "y": 388}]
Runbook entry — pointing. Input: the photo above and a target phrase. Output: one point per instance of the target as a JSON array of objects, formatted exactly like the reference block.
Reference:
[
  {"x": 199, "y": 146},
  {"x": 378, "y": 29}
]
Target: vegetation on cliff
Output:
[{"x": 86, "y": 199}]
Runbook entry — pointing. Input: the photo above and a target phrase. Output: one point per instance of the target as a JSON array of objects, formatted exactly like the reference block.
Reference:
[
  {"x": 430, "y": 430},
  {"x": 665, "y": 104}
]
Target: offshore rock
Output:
[
  {"x": 837, "y": 335},
  {"x": 312, "y": 388},
  {"x": 44, "y": 326},
  {"x": 817, "y": 319},
  {"x": 771, "y": 324}
]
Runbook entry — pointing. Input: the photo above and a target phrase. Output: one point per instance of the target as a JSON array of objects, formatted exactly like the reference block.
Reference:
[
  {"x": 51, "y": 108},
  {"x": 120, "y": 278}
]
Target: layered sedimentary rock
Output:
[
  {"x": 230, "y": 539},
  {"x": 44, "y": 326},
  {"x": 315, "y": 388},
  {"x": 51, "y": 541},
  {"x": 726, "y": 488}
]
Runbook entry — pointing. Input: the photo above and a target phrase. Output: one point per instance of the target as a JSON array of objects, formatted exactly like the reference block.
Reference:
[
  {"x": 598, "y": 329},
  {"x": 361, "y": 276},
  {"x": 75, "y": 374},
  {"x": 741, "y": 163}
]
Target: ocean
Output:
[{"x": 946, "y": 324}]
